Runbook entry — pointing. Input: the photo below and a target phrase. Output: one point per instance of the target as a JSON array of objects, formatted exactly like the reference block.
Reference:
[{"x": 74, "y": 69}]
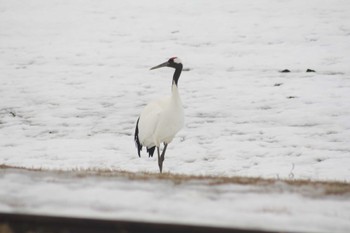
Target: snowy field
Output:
[{"x": 74, "y": 75}]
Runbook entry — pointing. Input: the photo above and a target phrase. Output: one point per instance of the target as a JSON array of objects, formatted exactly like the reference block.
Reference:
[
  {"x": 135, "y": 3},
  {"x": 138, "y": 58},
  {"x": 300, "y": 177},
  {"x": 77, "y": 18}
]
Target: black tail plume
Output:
[
  {"x": 136, "y": 138},
  {"x": 150, "y": 151}
]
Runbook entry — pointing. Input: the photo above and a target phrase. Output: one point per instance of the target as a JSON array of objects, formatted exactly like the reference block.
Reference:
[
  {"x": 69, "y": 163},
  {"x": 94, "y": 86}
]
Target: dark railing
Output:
[{"x": 23, "y": 223}]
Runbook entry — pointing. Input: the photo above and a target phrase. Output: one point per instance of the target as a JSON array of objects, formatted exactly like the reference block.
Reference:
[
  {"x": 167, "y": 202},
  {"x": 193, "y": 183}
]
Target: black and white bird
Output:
[{"x": 161, "y": 120}]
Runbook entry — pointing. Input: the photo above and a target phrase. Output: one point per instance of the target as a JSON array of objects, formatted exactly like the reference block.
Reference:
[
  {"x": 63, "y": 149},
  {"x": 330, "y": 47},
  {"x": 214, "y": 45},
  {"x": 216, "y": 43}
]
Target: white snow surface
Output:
[{"x": 74, "y": 76}]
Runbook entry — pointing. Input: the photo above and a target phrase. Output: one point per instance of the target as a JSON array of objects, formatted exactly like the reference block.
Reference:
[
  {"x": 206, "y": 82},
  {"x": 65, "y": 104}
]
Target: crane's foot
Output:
[
  {"x": 160, "y": 167},
  {"x": 160, "y": 163}
]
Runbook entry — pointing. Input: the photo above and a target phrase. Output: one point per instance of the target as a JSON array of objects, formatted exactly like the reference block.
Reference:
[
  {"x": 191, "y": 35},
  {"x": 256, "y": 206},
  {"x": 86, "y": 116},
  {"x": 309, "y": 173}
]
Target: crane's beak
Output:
[{"x": 160, "y": 66}]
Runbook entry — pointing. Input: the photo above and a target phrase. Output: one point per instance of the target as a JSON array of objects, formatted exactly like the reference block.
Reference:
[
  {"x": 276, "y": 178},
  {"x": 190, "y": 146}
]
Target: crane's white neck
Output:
[
  {"x": 175, "y": 96},
  {"x": 174, "y": 87}
]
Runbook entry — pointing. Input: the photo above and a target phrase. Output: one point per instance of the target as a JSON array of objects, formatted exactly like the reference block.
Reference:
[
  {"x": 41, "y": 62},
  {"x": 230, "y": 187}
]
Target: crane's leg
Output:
[
  {"x": 160, "y": 162},
  {"x": 161, "y": 157},
  {"x": 163, "y": 153}
]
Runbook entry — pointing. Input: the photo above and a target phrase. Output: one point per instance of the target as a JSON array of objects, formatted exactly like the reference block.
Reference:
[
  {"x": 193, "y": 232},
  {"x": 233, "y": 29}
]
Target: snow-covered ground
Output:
[{"x": 74, "y": 75}]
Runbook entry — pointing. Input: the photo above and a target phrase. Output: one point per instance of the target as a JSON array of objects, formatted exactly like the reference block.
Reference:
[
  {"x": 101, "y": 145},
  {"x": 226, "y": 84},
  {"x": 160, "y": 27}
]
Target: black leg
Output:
[
  {"x": 163, "y": 153},
  {"x": 160, "y": 163}
]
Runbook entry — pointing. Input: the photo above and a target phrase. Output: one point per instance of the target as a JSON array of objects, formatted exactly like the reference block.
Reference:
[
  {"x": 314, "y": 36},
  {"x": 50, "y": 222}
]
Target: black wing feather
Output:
[{"x": 136, "y": 138}]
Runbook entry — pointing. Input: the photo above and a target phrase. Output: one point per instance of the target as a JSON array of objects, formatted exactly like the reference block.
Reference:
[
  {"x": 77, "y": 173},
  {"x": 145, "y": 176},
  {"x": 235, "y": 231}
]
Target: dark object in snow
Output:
[
  {"x": 278, "y": 84},
  {"x": 285, "y": 71},
  {"x": 13, "y": 114},
  {"x": 291, "y": 97},
  {"x": 310, "y": 70}
]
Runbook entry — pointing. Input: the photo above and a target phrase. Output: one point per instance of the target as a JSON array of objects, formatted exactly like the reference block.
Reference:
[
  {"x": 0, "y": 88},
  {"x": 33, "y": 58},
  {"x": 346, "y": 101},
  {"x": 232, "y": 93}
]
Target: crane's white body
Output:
[{"x": 161, "y": 120}]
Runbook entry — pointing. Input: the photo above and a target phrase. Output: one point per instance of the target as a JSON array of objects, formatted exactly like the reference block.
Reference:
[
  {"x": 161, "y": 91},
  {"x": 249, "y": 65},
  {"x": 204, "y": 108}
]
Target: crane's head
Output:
[{"x": 173, "y": 62}]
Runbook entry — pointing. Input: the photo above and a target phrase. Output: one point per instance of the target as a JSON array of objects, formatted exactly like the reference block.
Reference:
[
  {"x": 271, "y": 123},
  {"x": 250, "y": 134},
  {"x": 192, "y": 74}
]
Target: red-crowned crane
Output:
[{"x": 161, "y": 120}]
